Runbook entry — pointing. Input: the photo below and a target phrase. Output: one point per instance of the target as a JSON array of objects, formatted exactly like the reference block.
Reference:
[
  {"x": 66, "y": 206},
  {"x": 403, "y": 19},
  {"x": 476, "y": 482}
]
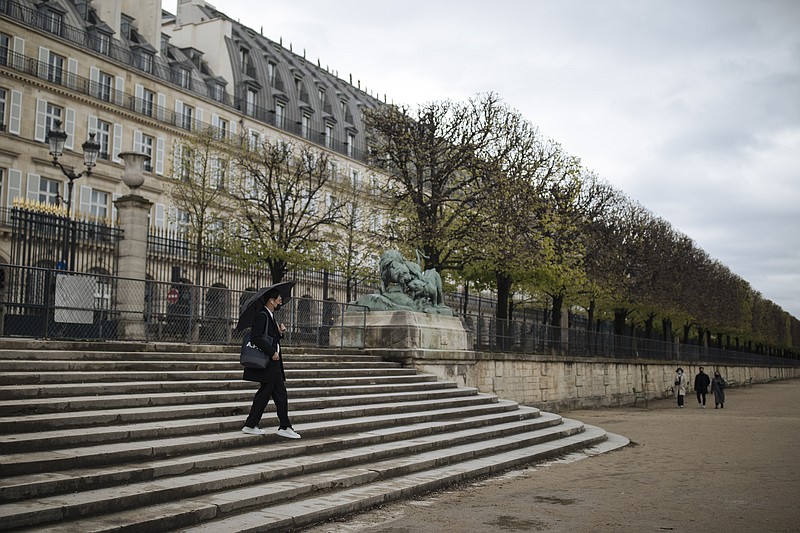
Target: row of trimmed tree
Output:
[{"x": 490, "y": 203}]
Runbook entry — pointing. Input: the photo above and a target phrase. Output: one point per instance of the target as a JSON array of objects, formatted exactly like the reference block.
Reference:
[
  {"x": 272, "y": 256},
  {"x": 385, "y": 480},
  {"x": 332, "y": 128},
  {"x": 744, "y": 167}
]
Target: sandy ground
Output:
[{"x": 687, "y": 470}]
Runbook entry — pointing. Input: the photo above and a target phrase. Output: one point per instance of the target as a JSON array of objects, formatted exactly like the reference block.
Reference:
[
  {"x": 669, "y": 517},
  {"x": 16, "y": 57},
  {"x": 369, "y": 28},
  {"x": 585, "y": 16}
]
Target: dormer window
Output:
[
  {"x": 218, "y": 92},
  {"x": 184, "y": 78},
  {"x": 126, "y": 24},
  {"x": 252, "y": 98},
  {"x": 146, "y": 60},
  {"x": 102, "y": 43},
  {"x": 51, "y": 21}
]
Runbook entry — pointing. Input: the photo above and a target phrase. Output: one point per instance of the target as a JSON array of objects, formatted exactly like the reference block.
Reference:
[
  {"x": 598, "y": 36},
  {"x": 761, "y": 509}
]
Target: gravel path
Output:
[{"x": 687, "y": 470}]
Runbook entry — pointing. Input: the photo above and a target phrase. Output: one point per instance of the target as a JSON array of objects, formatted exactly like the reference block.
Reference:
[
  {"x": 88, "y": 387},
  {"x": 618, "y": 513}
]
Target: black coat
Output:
[
  {"x": 266, "y": 336},
  {"x": 701, "y": 382}
]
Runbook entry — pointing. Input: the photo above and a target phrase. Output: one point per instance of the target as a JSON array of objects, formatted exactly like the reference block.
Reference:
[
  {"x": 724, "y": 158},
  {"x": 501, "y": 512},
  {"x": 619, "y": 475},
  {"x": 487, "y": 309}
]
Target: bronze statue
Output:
[{"x": 405, "y": 287}]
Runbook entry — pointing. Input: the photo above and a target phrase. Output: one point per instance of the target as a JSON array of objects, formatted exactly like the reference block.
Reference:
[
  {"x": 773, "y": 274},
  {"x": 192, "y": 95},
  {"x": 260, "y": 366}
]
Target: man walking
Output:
[
  {"x": 266, "y": 334},
  {"x": 701, "y": 383}
]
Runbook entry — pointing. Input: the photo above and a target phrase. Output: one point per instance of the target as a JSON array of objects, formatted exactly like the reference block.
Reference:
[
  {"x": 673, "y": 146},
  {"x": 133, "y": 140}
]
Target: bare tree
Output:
[
  {"x": 199, "y": 164},
  {"x": 285, "y": 208}
]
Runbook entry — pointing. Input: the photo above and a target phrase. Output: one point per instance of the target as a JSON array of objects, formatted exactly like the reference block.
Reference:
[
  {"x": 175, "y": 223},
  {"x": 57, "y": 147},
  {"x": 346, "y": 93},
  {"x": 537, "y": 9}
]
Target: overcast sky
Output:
[{"x": 691, "y": 107}]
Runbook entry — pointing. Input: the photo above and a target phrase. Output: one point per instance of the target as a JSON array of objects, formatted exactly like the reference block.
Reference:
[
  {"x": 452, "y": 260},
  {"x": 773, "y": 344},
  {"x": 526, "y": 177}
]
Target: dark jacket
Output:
[
  {"x": 701, "y": 382},
  {"x": 266, "y": 336}
]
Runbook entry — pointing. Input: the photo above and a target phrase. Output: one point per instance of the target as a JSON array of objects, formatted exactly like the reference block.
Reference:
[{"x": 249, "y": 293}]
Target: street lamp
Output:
[{"x": 91, "y": 149}]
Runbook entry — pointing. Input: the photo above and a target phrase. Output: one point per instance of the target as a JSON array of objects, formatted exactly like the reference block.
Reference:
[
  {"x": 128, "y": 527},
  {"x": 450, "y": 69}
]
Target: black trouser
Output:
[
  {"x": 680, "y": 400},
  {"x": 701, "y": 397},
  {"x": 276, "y": 391}
]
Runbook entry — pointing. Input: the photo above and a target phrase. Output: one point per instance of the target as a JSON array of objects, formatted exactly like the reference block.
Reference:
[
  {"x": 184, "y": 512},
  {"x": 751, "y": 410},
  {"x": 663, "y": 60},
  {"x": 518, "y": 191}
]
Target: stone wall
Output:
[{"x": 559, "y": 383}]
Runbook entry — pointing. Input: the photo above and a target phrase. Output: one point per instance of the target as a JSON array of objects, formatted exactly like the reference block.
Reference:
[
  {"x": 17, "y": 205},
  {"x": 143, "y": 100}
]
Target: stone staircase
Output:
[{"x": 113, "y": 439}]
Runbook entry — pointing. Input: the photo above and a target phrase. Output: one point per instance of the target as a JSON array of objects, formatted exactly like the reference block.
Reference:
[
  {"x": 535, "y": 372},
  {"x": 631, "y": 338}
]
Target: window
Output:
[
  {"x": 52, "y": 21},
  {"x": 188, "y": 117},
  {"x": 5, "y": 48},
  {"x": 255, "y": 140},
  {"x": 147, "y": 148},
  {"x": 280, "y": 113},
  {"x": 218, "y": 92},
  {"x": 244, "y": 58},
  {"x": 125, "y": 25},
  {"x": 105, "y": 86},
  {"x": 183, "y": 78},
  {"x": 55, "y": 68},
  {"x": 222, "y": 129},
  {"x": 3, "y": 107},
  {"x": 146, "y": 61},
  {"x": 98, "y": 204},
  {"x": 148, "y": 102},
  {"x": 329, "y": 135},
  {"x": 102, "y": 43},
  {"x": 271, "y": 71},
  {"x": 306, "y": 126},
  {"x": 53, "y": 114},
  {"x": 351, "y": 145},
  {"x": 218, "y": 173},
  {"x": 103, "y": 137},
  {"x": 181, "y": 224},
  {"x": 252, "y": 96},
  {"x": 48, "y": 191},
  {"x": 356, "y": 178},
  {"x": 187, "y": 163}
]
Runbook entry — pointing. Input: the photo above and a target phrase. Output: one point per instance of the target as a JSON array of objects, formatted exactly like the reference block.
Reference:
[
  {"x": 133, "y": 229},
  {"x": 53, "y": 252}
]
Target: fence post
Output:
[{"x": 133, "y": 212}]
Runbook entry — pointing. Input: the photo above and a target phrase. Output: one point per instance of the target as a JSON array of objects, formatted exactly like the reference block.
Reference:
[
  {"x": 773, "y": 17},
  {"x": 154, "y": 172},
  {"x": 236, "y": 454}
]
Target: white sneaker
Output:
[
  {"x": 289, "y": 433},
  {"x": 253, "y": 431}
]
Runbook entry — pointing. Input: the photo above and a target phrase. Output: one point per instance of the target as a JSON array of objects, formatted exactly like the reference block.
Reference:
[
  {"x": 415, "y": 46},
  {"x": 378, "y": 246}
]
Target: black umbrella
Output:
[{"x": 253, "y": 305}]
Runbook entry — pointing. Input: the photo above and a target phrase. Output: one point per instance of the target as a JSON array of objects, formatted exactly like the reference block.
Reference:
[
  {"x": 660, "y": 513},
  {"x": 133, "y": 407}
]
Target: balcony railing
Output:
[{"x": 158, "y": 68}]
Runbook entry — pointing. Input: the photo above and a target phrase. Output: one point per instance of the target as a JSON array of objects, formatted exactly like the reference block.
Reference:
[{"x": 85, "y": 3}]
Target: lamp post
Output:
[{"x": 91, "y": 149}]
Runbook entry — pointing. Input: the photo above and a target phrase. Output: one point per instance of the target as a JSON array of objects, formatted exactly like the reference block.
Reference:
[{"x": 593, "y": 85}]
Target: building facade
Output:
[{"x": 140, "y": 79}]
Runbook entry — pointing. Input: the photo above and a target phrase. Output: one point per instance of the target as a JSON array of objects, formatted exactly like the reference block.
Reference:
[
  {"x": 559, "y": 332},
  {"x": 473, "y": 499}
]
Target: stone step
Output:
[
  {"x": 126, "y": 409},
  {"x": 254, "y": 450},
  {"x": 368, "y": 383},
  {"x": 62, "y": 450},
  {"x": 84, "y": 365},
  {"x": 276, "y": 480},
  {"x": 99, "y": 437},
  {"x": 216, "y": 355},
  {"x": 18, "y": 378},
  {"x": 99, "y": 396},
  {"x": 289, "y": 515}
]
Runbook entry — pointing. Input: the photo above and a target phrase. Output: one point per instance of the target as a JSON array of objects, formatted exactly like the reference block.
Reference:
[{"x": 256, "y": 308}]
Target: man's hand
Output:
[
  {"x": 275, "y": 356},
  {"x": 281, "y": 328}
]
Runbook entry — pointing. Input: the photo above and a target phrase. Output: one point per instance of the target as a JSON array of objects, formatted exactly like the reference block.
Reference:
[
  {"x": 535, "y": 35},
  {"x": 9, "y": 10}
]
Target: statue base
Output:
[{"x": 396, "y": 332}]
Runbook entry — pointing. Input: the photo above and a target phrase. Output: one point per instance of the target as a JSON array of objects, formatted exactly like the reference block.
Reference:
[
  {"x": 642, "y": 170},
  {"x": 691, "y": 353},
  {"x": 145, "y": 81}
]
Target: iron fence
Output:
[
  {"x": 54, "y": 304},
  {"x": 524, "y": 336},
  {"x": 43, "y": 235}
]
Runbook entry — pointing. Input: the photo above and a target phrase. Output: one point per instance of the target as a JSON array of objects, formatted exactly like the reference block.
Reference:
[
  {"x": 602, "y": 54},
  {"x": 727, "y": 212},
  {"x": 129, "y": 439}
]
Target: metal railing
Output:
[
  {"x": 525, "y": 337},
  {"x": 159, "y": 68},
  {"x": 54, "y": 304}
]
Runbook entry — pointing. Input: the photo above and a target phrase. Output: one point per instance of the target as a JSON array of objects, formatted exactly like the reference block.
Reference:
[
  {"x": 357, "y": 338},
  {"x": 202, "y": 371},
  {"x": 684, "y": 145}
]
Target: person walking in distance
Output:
[
  {"x": 266, "y": 334},
  {"x": 701, "y": 383},
  {"x": 680, "y": 386},
  {"x": 718, "y": 385}
]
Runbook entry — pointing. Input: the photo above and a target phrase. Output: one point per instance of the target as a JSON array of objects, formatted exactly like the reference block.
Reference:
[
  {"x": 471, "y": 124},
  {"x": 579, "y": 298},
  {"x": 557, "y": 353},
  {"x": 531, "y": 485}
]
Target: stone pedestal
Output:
[
  {"x": 404, "y": 336},
  {"x": 133, "y": 216}
]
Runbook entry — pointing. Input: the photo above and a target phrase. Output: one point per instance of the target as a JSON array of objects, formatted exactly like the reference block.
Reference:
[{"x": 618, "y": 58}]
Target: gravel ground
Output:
[{"x": 686, "y": 470}]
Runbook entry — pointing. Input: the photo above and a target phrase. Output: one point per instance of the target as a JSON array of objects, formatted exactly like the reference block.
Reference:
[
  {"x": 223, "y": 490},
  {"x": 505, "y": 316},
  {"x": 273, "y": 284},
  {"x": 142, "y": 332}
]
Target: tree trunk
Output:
[
  {"x": 620, "y": 314},
  {"x": 504, "y": 282},
  {"x": 555, "y": 331}
]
